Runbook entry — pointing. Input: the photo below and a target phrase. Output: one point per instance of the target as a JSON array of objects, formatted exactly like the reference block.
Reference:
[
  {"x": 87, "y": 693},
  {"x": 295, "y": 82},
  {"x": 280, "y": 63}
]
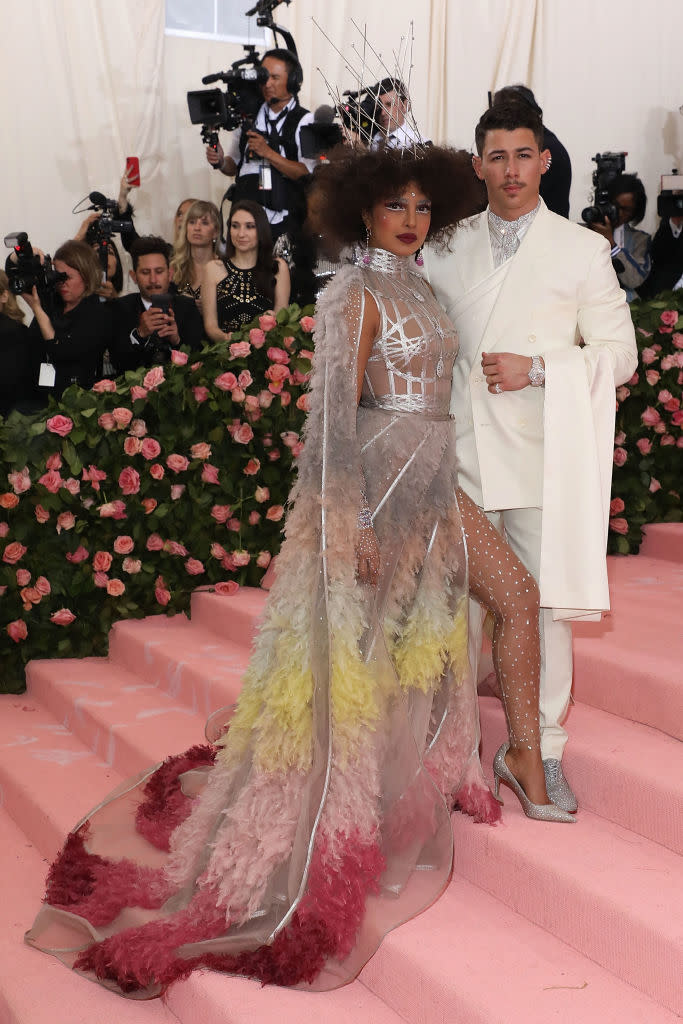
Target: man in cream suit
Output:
[{"x": 545, "y": 337}]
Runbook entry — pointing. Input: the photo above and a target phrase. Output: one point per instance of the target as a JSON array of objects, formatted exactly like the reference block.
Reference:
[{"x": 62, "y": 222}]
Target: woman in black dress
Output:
[{"x": 249, "y": 281}]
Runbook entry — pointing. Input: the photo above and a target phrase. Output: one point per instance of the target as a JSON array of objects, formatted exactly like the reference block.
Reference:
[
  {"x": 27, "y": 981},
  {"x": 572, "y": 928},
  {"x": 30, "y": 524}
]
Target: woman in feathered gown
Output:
[{"x": 320, "y": 818}]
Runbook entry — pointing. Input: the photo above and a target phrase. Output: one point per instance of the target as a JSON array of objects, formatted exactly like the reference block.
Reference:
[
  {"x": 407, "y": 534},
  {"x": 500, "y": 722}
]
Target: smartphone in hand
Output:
[{"x": 133, "y": 171}]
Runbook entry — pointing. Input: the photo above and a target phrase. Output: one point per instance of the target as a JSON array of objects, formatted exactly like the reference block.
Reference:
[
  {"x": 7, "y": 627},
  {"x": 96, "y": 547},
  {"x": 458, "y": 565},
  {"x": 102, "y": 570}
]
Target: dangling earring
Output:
[
  {"x": 366, "y": 254},
  {"x": 419, "y": 258}
]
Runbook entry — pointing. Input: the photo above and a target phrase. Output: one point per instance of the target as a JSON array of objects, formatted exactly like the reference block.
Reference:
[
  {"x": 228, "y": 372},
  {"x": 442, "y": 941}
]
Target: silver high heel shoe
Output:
[{"x": 542, "y": 812}]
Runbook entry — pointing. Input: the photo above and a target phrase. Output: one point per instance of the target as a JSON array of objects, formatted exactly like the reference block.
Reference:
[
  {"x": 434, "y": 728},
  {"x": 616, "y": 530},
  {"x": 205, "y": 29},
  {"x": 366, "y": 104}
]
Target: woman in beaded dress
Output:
[
  {"x": 250, "y": 280},
  {"x": 318, "y": 818}
]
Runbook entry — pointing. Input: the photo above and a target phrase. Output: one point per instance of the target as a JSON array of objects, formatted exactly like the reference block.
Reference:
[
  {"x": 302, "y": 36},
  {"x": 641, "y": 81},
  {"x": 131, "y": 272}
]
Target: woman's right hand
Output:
[{"x": 367, "y": 556}]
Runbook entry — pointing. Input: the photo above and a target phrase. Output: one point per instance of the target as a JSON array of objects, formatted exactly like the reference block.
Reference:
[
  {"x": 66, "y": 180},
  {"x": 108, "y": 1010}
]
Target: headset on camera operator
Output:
[{"x": 266, "y": 159}]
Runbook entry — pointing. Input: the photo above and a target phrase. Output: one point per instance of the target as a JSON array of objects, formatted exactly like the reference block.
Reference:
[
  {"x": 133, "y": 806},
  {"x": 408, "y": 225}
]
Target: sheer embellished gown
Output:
[{"x": 318, "y": 817}]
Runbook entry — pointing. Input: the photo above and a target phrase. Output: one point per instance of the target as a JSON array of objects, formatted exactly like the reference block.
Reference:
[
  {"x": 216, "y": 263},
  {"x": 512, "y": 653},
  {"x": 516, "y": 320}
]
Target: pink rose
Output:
[
  {"x": 651, "y": 376},
  {"x": 100, "y": 579},
  {"x": 669, "y": 361},
  {"x": 194, "y": 567},
  {"x": 660, "y": 428},
  {"x": 252, "y": 467},
  {"x": 43, "y": 586},
  {"x": 53, "y": 461},
  {"x": 666, "y": 440},
  {"x": 129, "y": 480},
  {"x": 154, "y": 542},
  {"x": 14, "y": 552},
  {"x": 177, "y": 463},
  {"x": 264, "y": 559},
  {"x": 178, "y": 358},
  {"x": 94, "y": 475},
  {"x": 29, "y": 597},
  {"x": 234, "y": 525},
  {"x": 623, "y": 392},
  {"x": 251, "y": 405},
  {"x": 113, "y": 510},
  {"x": 157, "y": 471},
  {"x": 226, "y": 382},
  {"x": 123, "y": 545},
  {"x": 9, "y": 500},
  {"x": 278, "y": 355},
  {"x": 122, "y": 417},
  {"x": 101, "y": 561},
  {"x": 303, "y": 403},
  {"x": 276, "y": 373},
  {"x": 274, "y": 455},
  {"x": 72, "y": 485},
  {"x": 616, "y": 505},
  {"x": 106, "y": 421},
  {"x": 23, "y": 577},
  {"x": 243, "y": 434},
  {"x": 150, "y": 448},
  {"x": 20, "y": 481},
  {"x": 654, "y": 486},
  {"x": 131, "y": 565},
  {"x": 644, "y": 445},
  {"x": 677, "y": 359},
  {"x": 138, "y": 428},
  {"x": 289, "y": 438},
  {"x": 59, "y": 424},
  {"x": 240, "y": 349},
  {"x": 664, "y": 395},
  {"x": 288, "y": 342},
  {"x": 677, "y": 419},
  {"x": 620, "y": 456},
  {"x": 4, "y": 529},
  {"x": 51, "y": 481},
  {"x": 275, "y": 513},
  {"x": 136, "y": 392},
  {"x": 669, "y": 317},
  {"x": 238, "y": 395},
  {"x": 103, "y": 386},
  {"x": 634, "y": 380},
  {"x": 197, "y": 366},
  {"x": 132, "y": 446},
  {"x": 257, "y": 338},
  {"x": 200, "y": 393},
  {"x": 265, "y": 399},
  {"x": 17, "y": 630},
  {"x": 41, "y": 514},
  {"x": 672, "y": 405},
  {"x": 262, "y": 494},
  {"x": 245, "y": 379},
  {"x": 678, "y": 340},
  {"x": 218, "y": 551},
  {"x": 209, "y": 473},
  {"x": 305, "y": 354},
  {"x": 647, "y": 356},
  {"x": 149, "y": 504},
  {"x": 254, "y": 518},
  {"x": 161, "y": 593},
  {"x": 201, "y": 450},
  {"x": 618, "y": 525},
  {"x": 221, "y": 513},
  {"x": 226, "y": 588},
  {"x": 65, "y": 521},
  {"x": 650, "y": 417},
  {"x": 177, "y": 491},
  {"x": 307, "y": 323},
  {"x": 241, "y": 558},
  {"x": 154, "y": 378},
  {"x": 297, "y": 449},
  {"x": 116, "y": 588},
  {"x": 79, "y": 555},
  {"x": 267, "y": 321},
  {"x": 174, "y": 548},
  {"x": 64, "y": 617}
]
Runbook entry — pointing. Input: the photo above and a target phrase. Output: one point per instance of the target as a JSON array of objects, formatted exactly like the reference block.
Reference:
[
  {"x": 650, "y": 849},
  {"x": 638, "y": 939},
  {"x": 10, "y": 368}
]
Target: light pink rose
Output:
[
  {"x": 620, "y": 456},
  {"x": 305, "y": 354},
  {"x": 265, "y": 399},
  {"x": 209, "y": 473},
  {"x": 154, "y": 542},
  {"x": 241, "y": 558},
  {"x": 178, "y": 358},
  {"x": 650, "y": 417},
  {"x": 245, "y": 379},
  {"x": 157, "y": 471},
  {"x": 177, "y": 463},
  {"x": 13, "y": 553},
  {"x": 677, "y": 419},
  {"x": 65, "y": 521},
  {"x": 174, "y": 548},
  {"x": 200, "y": 393},
  {"x": 278, "y": 355},
  {"x": 240, "y": 349},
  {"x": 132, "y": 446},
  {"x": 289, "y": 438},
  {"x": 303, "y": 403},
  {"x": 262, "y": 494},
  {"x": 275, "y": 513},
  {"x": 669, "y": 361},
  {"x": 59, "y": 424},
  {"x": 100, "y": 579},
  {"x": 122, "y": 417},
  {"x": 664, "y": 395},
  {"x": 136, "y": 392},
  {"x": 150, "y": 448},
  {"x": 29, "y": 597},
  {"x": 251, "y": 405},
  {"x": 257, "y": 338},
  {"x": 41, "y": 514},
  {"x": 79, "y": 555},
  {"x": 197, "y": 366},
  {"x": 101, "y": 561},
  {"x": 17, "y": 630},
  {"x": 274, "y": 455},
  {"x": 106, "y": 421},
  {"x": 138, "y": 428},
  {"x": 307, "y": 323},
  {"x": 654, "y": 486},
  {"x": 116, "y": 588},
  {"x": 221, "y": 513},
  {"x": 63, "y": 617},
  {"x": 618, "y": 525},
  {"x": 161, "y": 593},
  {"x": 72, "y": 485},
  {"x": 672, "y": 405},
  {"x": 677, "y": 339},
  {"x": 129, "y": 480},
  {"x": 95, "y": 476},
  {"x": 218, "y": 551},
  {"x": 9, "y": 500},
  {"x": 177, "y": 491},
  {"x": 267, "y": 321},
  {"x": 43, "y": 587},
  {"x": 226, "y": 588},
  {"x": 254, "y": 518},
  {"x": 616, "y": 505},
  {"x": 154, "y": 378},
  {"x": 288, "y": 341},
  {"x": 264, "y": 559},
  {"x": 644, "y": 445},
  {"x": 275, "y": 386},
  {"x": 677, "y": 359},
  {"x": 647, "y": 356},
  {"x": 131, "y": 565},
  {"x": 651, "y": 376},
  {"x": 103, "y": 386},
  {"x": 666, "y": 440},
  {"x": 228, "y": 564},
  {"x": 276, "y": 373},
  {"x": 149, "y": 504},
  {"x": 4, "y": 529},
  {"x": 201, "y": 450},
  {"x": 53, "y": 461},
  {"x": 669, "y": 317},
  {"x": 226, "y": 381},
  {"x": 123, "y": 545},
  {"x": 243, "y": 434},
  {"x": 252, "y": 467},
  {"x": 23, "y": 577},
  {"x": 194, "y": 567},
  {"x": 238, "y": 395},
  {"x": 623, "y": 392},
  {"x": 660, "y": 428},
  {"x": 51, "y": 481},
  {"x": 234, "y": 525},
  {"x": 20, "y": 481},
  {"x": 113, "y": 510}
]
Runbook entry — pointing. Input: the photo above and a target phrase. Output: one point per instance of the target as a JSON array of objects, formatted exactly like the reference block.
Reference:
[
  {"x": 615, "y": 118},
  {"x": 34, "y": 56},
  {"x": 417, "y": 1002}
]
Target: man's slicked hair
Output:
[{"x": 508, "y": 116}]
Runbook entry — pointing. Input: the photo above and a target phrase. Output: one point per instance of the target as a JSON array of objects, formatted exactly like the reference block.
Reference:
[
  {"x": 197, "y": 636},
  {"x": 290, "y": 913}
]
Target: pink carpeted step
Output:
[
  {"x": 37, "y": 989},
  {"x": 233, "y": 618},
  {"x": 607, "y": 892},
  {"x": 663, "y": 540},
  {"x": 620, "y": 770}
]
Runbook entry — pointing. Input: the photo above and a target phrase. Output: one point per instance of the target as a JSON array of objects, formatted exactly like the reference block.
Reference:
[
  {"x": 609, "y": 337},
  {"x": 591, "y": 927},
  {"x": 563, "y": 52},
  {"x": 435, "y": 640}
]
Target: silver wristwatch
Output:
[{"x": 536, "y": 373}]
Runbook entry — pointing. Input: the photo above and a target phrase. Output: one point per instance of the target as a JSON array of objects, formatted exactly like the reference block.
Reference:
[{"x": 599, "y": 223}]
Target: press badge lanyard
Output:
[{"x": 265, "y": 172}]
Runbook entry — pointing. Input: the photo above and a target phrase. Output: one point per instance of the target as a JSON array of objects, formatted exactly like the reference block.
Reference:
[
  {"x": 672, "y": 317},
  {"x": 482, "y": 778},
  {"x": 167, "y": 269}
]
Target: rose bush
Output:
[
  {"x": 117, "y": 501},
  {"x": 647, "y": 478}
]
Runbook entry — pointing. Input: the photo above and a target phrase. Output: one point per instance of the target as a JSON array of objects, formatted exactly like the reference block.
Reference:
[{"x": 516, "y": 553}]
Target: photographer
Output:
[
  {"x": 71, "y": 327},
  {"x": 266, "y": 158},
  {"x": 667, "y": 257},
  {"x": 393, "y": 105},
  {"x": 17, "y": 386},
  {"x": 630, "y": 247},
  {"x": 148, "y": 325}
]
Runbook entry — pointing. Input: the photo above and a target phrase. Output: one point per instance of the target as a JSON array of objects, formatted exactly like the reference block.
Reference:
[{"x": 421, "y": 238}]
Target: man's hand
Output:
[
  {"x": 506, "y": 371},
  {"x": 215, "y": 156},
  {"x": 606, "y": 230},
  {"x": 258, "y": 146},
  {"x": 154, "y": 320},
  {"x": 170, "y": 329}
]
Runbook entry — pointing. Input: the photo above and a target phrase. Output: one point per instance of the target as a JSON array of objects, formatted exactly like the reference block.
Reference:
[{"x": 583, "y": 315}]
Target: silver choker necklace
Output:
[{"x": 380, "y": 259}]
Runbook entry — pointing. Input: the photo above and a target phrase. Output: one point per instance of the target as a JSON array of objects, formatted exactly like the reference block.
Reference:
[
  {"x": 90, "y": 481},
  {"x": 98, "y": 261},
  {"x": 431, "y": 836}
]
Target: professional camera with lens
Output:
[
  {"x": 214, "y": 109},
  {"x": 670, "y": 198},
  {"x": 27, "y": 272},
  {"x": 359, "y": 112},
  {"x": 106, "y": 225},
  {"x": 610, "y": 166}
]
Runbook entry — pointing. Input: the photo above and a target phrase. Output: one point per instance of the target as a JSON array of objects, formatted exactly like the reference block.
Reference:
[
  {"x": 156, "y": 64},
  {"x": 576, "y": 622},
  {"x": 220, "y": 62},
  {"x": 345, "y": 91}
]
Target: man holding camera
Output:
[
  {"x": 266, "y": 159},
  {"x": 393, "y": 105},
  {"x": 148, "y": 325},
  {"x": 545, "y": 336}
]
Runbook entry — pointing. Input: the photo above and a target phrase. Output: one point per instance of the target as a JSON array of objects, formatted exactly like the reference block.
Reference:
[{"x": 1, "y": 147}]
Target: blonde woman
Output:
[{"x": 195, "y": 246}]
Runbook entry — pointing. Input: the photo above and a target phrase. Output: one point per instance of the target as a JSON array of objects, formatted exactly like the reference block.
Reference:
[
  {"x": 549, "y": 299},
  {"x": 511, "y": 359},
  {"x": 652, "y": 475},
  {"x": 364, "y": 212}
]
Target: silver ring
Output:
[{"x": 498, "y": 389}]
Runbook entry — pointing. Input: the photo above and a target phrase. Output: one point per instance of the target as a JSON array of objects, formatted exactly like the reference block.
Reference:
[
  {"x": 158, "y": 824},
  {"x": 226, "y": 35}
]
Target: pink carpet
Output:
[{"x": 541, "y": 923}]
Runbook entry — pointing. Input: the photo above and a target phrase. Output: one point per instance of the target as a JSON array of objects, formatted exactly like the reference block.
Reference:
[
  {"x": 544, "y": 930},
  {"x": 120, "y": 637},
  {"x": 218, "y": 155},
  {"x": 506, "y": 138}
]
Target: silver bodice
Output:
[{"x": 411, "y": 363}]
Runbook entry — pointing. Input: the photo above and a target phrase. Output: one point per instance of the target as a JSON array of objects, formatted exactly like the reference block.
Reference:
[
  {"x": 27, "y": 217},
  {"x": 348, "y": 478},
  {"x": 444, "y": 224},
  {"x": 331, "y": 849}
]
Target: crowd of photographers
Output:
[{"x": 83, "y": 328}]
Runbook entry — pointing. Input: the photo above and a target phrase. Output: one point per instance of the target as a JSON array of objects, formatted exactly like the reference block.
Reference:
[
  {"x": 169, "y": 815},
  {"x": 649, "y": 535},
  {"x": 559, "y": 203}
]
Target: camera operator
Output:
[
  {"x": 630, "y": 247},
  {"x": 266, "y": 159},
  {"x": 667, "y": 257},
  {"x": 393, "y": 105},
  {"x": 72, "y": 328},
  {"x": 148, "y": 325},
  {"x": 112, "y": 285}
]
